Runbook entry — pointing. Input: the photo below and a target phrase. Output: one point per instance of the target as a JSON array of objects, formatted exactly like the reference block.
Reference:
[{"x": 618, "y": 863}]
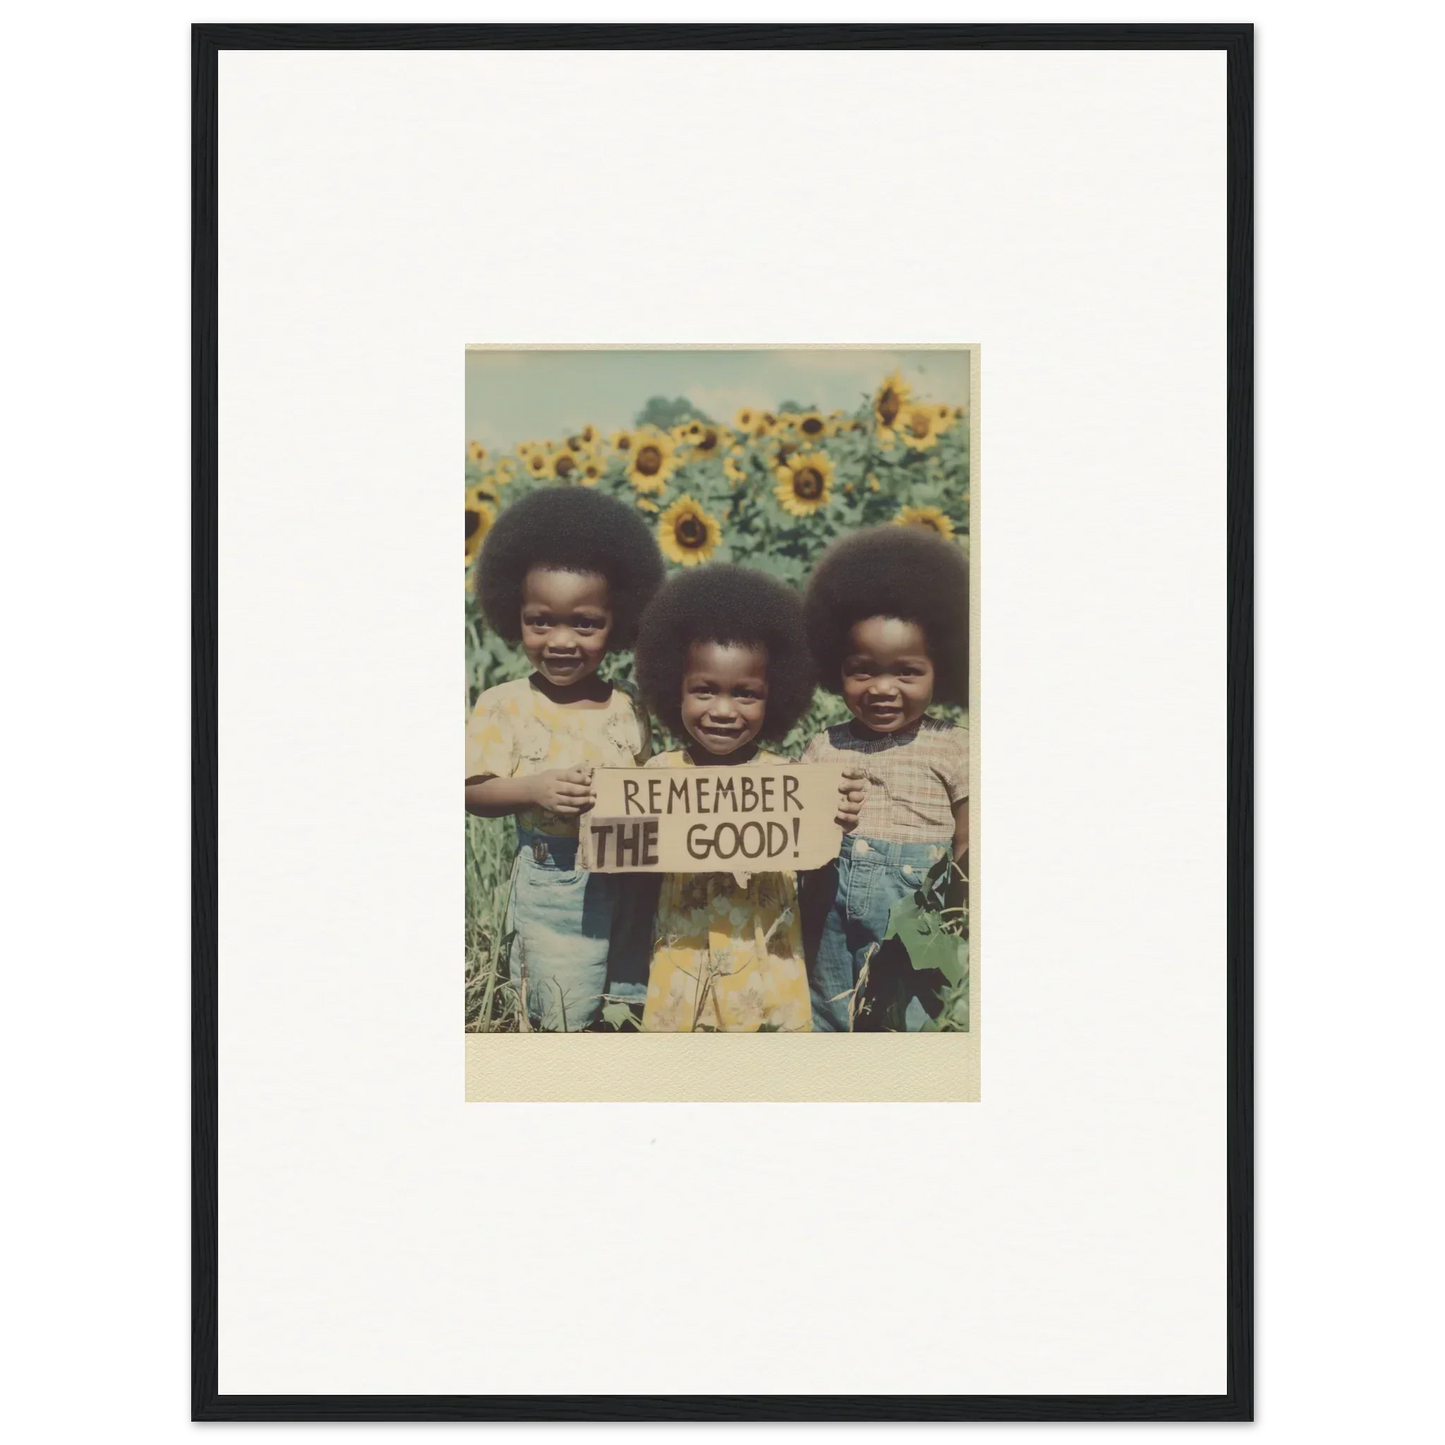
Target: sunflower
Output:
[
  {"x": 805, "y": 482},
  {"x": 754, "y": 423},
  {"x": 647, "y": 504},
  {"x": 483, "y": 491},
  {"x": 480, "y": 517},
  {"x": 476, "y": 452},
  {"x": 944, "y": 415},
  {"x": 918, "y": 426},
  {"x": 812, "y": 426},
  {"x": 566, "y": 465},
  {"x": 525, "y": 449},
  {"x": 686, "y": 533},
  {"x": 784, "y": 454},
  {"x": 540, "y": 465},
  {"x": 504, "y": 471},
  {"x": 734, "y": 471},
  {"x": 711, "y": 441},
  {"x": 590, "y": 468},
  {"x": 583, "y": 440},
  {"x": 889, "y": 400},
  {"x": 623, "y": 442},
  {"x": 928, "y": 517},
  {"x": 653, "y": 459}
]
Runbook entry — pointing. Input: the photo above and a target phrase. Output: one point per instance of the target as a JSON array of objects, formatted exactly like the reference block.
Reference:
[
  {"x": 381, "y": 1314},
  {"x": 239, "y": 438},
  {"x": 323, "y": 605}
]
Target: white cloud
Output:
[{"x": 722, "y": 403}]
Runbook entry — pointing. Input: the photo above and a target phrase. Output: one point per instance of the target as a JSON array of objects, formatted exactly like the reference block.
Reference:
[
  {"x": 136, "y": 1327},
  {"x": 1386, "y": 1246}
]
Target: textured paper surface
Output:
[
  {"x": 379, "y": 1235},
  {"x": 713, "y": 820},
  {"x": 770, "y": 1067},
  {"x": 716, "y": 1068}
]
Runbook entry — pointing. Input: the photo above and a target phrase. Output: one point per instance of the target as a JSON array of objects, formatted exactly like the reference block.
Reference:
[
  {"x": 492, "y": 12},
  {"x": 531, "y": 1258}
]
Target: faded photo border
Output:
[{"x": 772, "y": 1067}]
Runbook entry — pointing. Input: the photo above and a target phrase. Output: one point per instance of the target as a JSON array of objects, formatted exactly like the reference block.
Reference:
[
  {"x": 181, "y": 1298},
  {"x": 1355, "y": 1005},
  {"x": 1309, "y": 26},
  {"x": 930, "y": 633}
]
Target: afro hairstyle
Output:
[
  {"x": 890, "y": 571},
  {"x": 570, "y": 529},
  {"x": 726, "y": 604}
]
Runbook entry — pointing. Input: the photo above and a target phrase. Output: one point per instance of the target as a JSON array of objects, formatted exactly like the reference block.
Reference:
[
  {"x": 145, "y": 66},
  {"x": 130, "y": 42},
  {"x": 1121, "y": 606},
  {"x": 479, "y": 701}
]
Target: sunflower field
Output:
[{"x": 767, "y": 489}]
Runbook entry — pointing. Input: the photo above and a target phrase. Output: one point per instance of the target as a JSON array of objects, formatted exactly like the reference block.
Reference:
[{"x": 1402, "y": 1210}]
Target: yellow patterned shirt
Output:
[
  {"x": 515, "y": 731},
  {"x": 725, "y": 957}
]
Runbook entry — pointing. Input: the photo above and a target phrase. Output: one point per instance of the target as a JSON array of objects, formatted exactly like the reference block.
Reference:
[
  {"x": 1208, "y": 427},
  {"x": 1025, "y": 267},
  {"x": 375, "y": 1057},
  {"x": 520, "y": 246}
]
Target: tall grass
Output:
[{"x": 491, "y": 1001}]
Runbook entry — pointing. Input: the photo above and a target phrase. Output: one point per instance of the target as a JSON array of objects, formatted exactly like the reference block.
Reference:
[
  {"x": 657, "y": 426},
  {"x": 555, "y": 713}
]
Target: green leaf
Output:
[{"x": 921, "y": 932}]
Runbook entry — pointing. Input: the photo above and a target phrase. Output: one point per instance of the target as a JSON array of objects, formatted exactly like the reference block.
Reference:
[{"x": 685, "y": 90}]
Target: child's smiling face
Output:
[
  {"x": 887, "y": 674},
  {"x": 724, "y": 695},
  {"x": 566, "y": 621}
]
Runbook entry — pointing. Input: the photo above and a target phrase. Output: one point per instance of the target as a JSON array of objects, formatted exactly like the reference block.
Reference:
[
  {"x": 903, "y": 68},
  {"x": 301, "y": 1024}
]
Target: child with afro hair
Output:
[
  {"x": 565, "y": 572},
  {"x": 887, "y": 617},
  {"x": 723, "y": 659}
]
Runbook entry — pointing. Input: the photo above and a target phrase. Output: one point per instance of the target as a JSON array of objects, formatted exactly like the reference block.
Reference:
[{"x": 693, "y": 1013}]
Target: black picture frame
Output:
[{"x": 1237, "y": 1402}]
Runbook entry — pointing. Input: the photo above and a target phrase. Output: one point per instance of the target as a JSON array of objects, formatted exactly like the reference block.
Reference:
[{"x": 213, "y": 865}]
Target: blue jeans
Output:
[
  {"x": 560, "y": 919},
  {"x": 848, "y": 908}
]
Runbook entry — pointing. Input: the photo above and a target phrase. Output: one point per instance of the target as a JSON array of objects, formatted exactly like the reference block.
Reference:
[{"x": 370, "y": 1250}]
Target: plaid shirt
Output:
[{"x": 914, "y": 777}]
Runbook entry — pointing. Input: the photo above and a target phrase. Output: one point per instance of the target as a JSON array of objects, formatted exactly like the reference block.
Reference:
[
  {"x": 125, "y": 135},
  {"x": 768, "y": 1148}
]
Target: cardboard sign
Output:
[{"x": 768, "y": 819}]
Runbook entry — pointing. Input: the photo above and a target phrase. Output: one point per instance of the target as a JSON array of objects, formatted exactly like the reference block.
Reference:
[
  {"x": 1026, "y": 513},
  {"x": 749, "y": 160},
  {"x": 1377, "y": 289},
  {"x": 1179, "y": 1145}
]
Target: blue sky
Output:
[{"x": 517, "y": 396}]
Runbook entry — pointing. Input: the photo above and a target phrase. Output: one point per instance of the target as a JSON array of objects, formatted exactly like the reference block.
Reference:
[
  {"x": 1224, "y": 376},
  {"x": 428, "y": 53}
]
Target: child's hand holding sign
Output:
[
  {"x": 568, "y": 792},
  {"x": 851, "y": 792}
]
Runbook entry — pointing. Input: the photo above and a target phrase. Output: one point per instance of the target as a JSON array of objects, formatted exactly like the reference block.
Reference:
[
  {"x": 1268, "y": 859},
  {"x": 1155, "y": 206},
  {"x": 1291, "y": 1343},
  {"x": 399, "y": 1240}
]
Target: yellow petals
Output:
[
  {"x": 687, "y": 534},
  {"x": 805, "y": 483},
  {"x": 929, "y": 518}
]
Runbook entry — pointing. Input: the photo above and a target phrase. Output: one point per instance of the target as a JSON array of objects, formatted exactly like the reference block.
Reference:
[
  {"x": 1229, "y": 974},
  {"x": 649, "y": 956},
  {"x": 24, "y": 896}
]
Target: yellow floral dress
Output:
[
  {"x": 515, "y": 731},
  {"x": 725, "y": 957}
]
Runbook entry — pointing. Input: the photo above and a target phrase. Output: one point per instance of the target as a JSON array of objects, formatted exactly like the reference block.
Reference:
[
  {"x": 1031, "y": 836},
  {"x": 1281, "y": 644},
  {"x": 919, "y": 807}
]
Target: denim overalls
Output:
[
  {"x": 560, "y": 919},
  {"x": 576, "y": 935}
]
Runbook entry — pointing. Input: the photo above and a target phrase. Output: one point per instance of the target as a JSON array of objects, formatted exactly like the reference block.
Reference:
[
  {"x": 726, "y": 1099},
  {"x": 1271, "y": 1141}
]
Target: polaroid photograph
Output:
[{"x": 718, "y": 724}]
